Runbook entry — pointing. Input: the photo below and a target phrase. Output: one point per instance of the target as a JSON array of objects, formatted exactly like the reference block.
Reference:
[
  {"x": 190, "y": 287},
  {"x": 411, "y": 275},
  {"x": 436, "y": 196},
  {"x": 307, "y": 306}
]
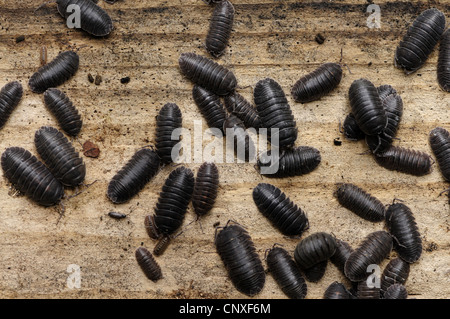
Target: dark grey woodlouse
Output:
[
  {"x": 207, "y": 73},
  {"x": 161, "y": 245},
  {"x": 401, "y": 224},
  {"x": 173, "y": 201},
  {"x": 31, "y": 177},
  {"x": 420, "y": 40},
  {"x": 318, "y": 83},
  {"x": 443, "y": 67},
  {"x": 168, "y": 120},
  {"x": 133, "y": 176},
  {"x": 237, "y": 105},
  {"x": 374, "y": 249},
  {"x": 275, "y": 113},
  {"x": 396, "y": 271},
  {"x": 396, "y": 291},
  {"x": 340, "y": 256},
  {"x": 405, "y": 160},
  {"x": 10, "y": 96},
  {"x": 351, "y": 130},
  {"x": 55, "y": 73},
  {"x": 64, "y": 111},
  {"x": 296, "y": 161},
  {"x": 367, "y": 107},
  {"x": 316, "y": 272},
  {"x": 337, "y": 290},
  {"x": 93, "y": 19},
  {"x": 284, "y": 214},
  {"x": 60, "y": 156},
  {"x": 366, "y": 292},
  {"x": 117, "y": 215},
  {"x": 148, "y": 264},
  {"x": 210, "y": 107},
  {"x": 360, "y": 202},
  {"x": 286, "y": 273},
  {"x": 220, "y": 27},
  {"x": 243, "y": 145},
  {"x": 238, "y": 254},
  {"x": 205, "y": 189},
  {"x": 439, "y": 139}
]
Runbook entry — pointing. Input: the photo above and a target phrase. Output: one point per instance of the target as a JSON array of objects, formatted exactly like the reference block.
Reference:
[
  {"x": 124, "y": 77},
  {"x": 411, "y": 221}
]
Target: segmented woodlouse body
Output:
[
  {"x": 63, "y": 110},
  {"x": 405, "y": 160},
  {"x": 286, "y": 273},
  {"x": 440, "y": 145},
  {"x": 93, "y": 19},
  {"x": 161, "y": 245},
  {"x": 318, "y": 83},
  {"x": 55, "y": 73},
  {"x": 31, "y": 177},
  {"x": 296, "y": 161},
  {"x": 205, "y": 188},
  {"x": 207, "y": 73},
  {"x": 243, "y": 145},
  {"x": 238, "y": 253},
  {"x": 351, "y": 129},
  {"x": 117, "y": 215},
  {"x": 337, "y": 290},
  {"x": 366, "y": 292},
  {"x": 173, "y": 200},
  {"x": 420, "y": 40},
  {"x": 396, "y": 271},
  {"x": 367, "y": 107},
  {"x": 237, "y": 105},
  {"x": 396, "y": 291},
  {"x": 168, "y": 119},
  {"x": 313, "y": 251},
  {"x": 60, "y": 156},
  {"x": 220, "y": 28},
  {"x": 133, "y": 176},
  {"x": 275, "y": 113},
  {"x": 148, "y": 264},
  {"x": 360, "y": 202},
  {"x": 10, "y": 96},
  {"x": 284, "y": 214},
  {"x": 402, "y": 225},
  {"x": 393, "y": 106},
  {"x": 210, "y": 107},
  {"x": 340, "y": 256},
  {"x": 443, "y": 67},
  {"x": 316, "y": 272},
  {"x": 375, "y": 248}
]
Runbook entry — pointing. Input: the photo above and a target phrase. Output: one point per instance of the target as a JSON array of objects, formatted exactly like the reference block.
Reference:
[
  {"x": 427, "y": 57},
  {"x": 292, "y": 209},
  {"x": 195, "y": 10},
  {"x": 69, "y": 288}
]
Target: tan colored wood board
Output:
[{"x": 270, "y": 39}]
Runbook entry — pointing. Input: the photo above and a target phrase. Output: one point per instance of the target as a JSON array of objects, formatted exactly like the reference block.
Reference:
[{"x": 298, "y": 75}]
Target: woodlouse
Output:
[
  {"x": 148, "y": 264},
  {"x": 207, "y": 73},
  {"x": 205, "y": 188},
  {"x": 313, "y": 252},
  {"x": 275, "y": 113},
  {"x": 396, "y": 291},
  {"x": 55, "y": 73},
  {"x": 168, "y": 119},
  {"x": 318, "y": 83},
  {"x": 402, "y": 225},
  {"x": 360, "y": 202},
  {"x": 238, "y": 254},
  {"x": 31, "y": 177},
  {"x": 173, "y": 201},
  {"x": 117, "y": 215},
  {"x": 286, "y": 273},
  {"x": 420, "y": 40},
  {"x": 367, "y": 107},
  {"x": 10, "y": 96},
  {"x": 443, "y": 67},
  {"x": 237, "y": 105},
  {"x": 351, "y": 130},
  {"x": 337, "y": 290},
  {"x": 374, "y": 249},
  {"x": 210, "y": 107},
  {"x": 243, "y": 145},
  {"x": 93, "y": 19},
  {"x": 133, "y": 176},
  {"x": 220, "y": 27},
  {"x": 161, "y": 245},
  {"x": 60, "y": 156},
  {"x": 396, "y": 271},
  {"x": 439, "y": 139},
  {"x": 284, "y": 214},
  {"x": 64, "y": 111},
  {"x": 405, "y": 160},
  {"x": 296, "y": 161}
]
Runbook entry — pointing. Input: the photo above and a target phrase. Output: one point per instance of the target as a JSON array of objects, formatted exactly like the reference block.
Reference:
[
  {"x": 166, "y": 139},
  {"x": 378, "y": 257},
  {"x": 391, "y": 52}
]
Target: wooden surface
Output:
[{"x": 270, "y": 39}]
